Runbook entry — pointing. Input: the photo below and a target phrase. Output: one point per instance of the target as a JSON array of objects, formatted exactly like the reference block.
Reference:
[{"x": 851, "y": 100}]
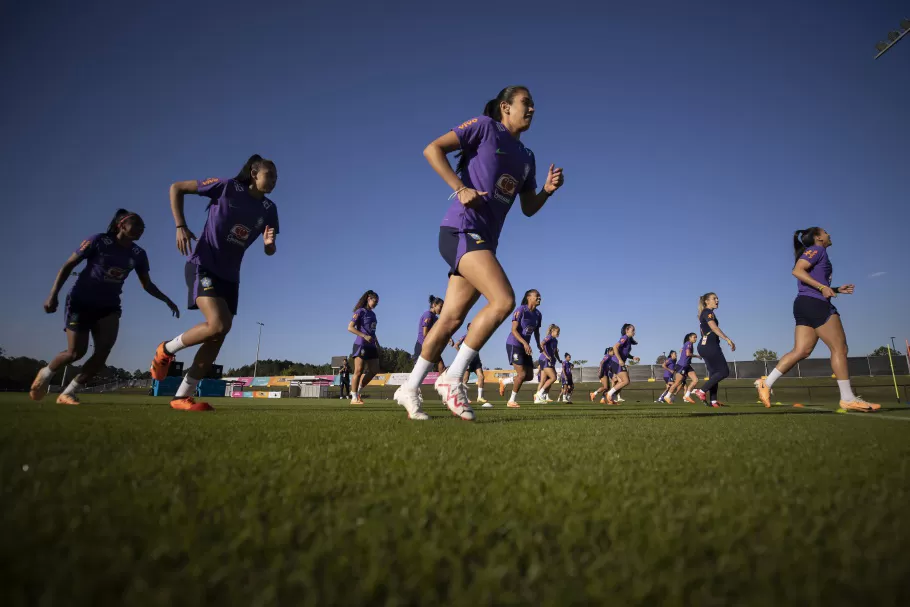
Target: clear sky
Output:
[{"x": 696, "y": 137}]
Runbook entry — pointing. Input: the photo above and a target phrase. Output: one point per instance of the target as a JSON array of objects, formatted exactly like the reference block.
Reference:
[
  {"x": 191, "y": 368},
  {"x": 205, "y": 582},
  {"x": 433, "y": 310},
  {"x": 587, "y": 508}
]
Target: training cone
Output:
[
  {"x": 841, "y": 411},
  {"x": 797, "y": 405}
]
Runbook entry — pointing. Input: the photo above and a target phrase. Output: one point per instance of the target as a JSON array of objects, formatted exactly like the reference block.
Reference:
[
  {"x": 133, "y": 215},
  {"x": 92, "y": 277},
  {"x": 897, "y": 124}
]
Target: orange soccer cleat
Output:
[
  {"x": 67, "y": 399},
  {"x": 858, "y": 404},
  {"x": 188, "y": 403},
  {"x": 502, "y": 388},
  {"x": 160, "y": 363},
  {"x": 764, "y": 392}
]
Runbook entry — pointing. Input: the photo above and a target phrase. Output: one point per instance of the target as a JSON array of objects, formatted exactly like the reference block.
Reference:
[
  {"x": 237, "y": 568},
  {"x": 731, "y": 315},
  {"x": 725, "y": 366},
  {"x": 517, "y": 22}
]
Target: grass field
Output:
[{"x": 123, "y": 501}]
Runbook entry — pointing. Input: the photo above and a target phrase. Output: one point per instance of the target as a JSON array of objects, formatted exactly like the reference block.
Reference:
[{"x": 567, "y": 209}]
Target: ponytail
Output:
[
  {"x": 703, "y": 302},
  {"x": 690, "y": 335},
  {"x": 492, "y": 110},
  {"x": 803, "y": 239},
  {"x": 551, "y": 328},
  {"x": 119, "y": 217},
  {"x": 436, "y": 300},
  {"x": 362, "y": 302},
  {"x": 524, "y": 300}
]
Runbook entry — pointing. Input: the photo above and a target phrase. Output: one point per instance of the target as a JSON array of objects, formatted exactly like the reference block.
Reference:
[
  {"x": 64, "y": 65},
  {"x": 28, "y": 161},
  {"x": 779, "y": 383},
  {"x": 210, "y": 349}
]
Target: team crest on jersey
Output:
[
  {"x": 239, "y": 234},
  {"x": 506, "y": 187},
  {"x": 476, "y": 237},
  {"x": 515, "y": 356},
  {"x": 206, "y": 283}
]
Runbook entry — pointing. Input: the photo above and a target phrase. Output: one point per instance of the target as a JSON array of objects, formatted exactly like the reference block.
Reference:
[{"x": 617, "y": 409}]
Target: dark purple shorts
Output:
[
  {"x": 418, "y": 350},
  {"x": 365, "y": 351},
  {"x": 812, "y": 311},
  {"x": 454, "y": 243},
  {"x": 81, "y": 316},
  {"x": 202, "y": 283},
  {"x": 518, "y": 356}
]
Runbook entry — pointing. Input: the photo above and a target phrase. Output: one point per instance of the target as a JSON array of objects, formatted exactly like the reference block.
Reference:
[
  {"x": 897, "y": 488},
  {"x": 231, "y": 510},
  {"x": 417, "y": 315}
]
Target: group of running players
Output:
[{"x": 493, "y": 169}]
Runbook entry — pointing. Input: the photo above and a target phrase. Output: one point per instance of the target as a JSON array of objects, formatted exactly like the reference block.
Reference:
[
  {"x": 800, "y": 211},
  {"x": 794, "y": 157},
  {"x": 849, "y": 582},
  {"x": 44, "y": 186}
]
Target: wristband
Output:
[
  {"x": 821, "y": 288},
  {"x": 182, "y": 225}
]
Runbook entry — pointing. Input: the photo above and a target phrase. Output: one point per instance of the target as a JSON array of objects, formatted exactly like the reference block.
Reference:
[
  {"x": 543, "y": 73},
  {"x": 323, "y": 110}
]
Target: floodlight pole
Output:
[
  {"x": 258, "y": 343},
  {"x": 885, "y": 47}
]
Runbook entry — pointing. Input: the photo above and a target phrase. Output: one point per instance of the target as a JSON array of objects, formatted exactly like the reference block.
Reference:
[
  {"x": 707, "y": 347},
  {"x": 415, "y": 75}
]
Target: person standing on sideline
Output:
[
  {"x": 709, "y": 349},
  {"x": 494, "y": 167},
  {"x": 816, "y": 318},
  {"x": 344, "y": 376}
]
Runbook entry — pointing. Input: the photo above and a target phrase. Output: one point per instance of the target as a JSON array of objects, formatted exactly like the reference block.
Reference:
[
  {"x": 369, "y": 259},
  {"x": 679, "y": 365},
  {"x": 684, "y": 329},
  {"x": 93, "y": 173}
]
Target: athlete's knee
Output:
[
  {"x": 450, "y": 324},
  {"x": 74, "y": 354},
  {"x": 839, "y": 349},
  {"x": 219, "y": 328},
  {"x": 502, "y": 306}
]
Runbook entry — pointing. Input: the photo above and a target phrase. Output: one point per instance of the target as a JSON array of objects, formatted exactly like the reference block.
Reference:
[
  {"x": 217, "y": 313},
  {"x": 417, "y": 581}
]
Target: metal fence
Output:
[{"x": 869, "y": 366}]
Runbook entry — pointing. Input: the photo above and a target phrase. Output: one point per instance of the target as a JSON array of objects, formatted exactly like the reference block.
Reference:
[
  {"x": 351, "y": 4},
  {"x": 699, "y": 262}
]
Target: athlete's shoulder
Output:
[
  {"x": 477, "y": 122},
  {"x": 813, "y": 253}
]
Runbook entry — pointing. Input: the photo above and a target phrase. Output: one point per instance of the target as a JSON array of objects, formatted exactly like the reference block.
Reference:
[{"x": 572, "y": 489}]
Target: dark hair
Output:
[
  {"x": 255, "y": 163},
  {"x": 362, "y": 302},
  {"x": 625, "y": 328},
  {"x": 688, "y": 337},
  {"x": 672, "y": 352},
  {"x": 567, "y": 355},
  {"x": 524, "y": 300},
  {"x": 492, "y": 110},
  {"x": 436, "y": 300},
  {"x": 121, "y": 214},
  {"x": 607, "y": 350},
  {"x": 803, "y": 239}
]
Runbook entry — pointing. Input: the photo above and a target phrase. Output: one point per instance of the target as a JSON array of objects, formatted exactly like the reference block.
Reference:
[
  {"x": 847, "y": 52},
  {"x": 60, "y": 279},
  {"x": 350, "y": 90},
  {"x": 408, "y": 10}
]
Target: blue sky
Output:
[{"x": 695, "y": 140}]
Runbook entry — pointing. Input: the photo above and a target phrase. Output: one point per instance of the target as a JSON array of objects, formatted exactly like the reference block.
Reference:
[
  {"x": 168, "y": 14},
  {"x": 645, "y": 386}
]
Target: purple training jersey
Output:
[
  {"x": 498, "y": 164},
  {"x": 567, "y": 367},
  {"x": 685, "y": 356},
  {"x": 550, "y": 347},
  {"x": 819, "y": 269},
  {"x": 107, "y": 266},
  {"x": 605, "y": 365},
  {"x": 625, "y": 347},
  {"x": 528, "y": 323},
  {"x": 427, "y": 320},
  {"x": 235, "y": 220},
  {"x": 365, "y": 322}
]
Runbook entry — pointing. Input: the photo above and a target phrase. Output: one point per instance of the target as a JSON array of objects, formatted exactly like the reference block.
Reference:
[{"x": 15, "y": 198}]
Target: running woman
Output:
[
  {"x": 427, "y": 320},
  {"x": 366, "y": 345},
  {"x": 684, "y": 374},
  {"x": 238, "y": 213},
  {"x": 547, "y": 364},
  {"x": 709, "y": 348},
  {"x": 622, "y": 353},
  {"x": 816, "y": 318},
  {"x": 526, "y": 323},
  {"x": 93, "y": 304},
  {"x": 565, "y": 378},
  {"x": 604, "y": 374},
  {"x": 669, "y": 367},
  {"x": 475, "y": 367},
  {"x": 493, "y": 168}
]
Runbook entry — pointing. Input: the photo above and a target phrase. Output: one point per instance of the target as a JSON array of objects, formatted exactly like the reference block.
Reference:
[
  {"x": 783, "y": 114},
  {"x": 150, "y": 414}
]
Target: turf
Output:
[{"x": 123, "y": 501}]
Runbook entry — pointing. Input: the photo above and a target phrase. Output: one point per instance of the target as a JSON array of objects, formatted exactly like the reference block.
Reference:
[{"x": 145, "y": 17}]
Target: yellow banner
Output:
[{"x": 380, "y": 379}]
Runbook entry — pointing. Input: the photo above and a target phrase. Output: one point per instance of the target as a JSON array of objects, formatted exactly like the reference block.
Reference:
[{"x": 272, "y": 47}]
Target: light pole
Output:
[
  {"x": 893, "y": 38},
  {"x": 258, "y": 343},
  {"x": 893, "y": 347}
]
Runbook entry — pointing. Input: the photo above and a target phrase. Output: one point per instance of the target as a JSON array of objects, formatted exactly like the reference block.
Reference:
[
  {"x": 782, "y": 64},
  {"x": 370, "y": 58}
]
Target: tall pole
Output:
[
  {"x": 258, "y": 343},
  {"x": 893, "y": 347}
]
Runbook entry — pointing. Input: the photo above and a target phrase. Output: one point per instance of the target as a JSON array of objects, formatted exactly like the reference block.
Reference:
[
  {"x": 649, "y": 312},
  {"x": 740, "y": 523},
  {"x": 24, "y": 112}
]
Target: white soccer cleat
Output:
[
  {"x": 539, "y": 400},
  {"x": 411, "y": 400},
  {"x": 455, "y": 395}
]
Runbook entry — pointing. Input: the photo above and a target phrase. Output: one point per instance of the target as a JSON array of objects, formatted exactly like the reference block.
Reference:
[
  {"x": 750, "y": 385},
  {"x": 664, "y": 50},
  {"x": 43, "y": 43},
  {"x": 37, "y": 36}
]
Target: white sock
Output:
[
  {"x": 688, "y": 393},
  {"x": 464, "y": 357},
  {"x": 662, "y": 394},
  {"x": 479, "y": 392},
  {"x": 175, "y": 345},
  {"x": 187, "y": 387},
  {"x": 45, "y": 374},
  {"x": 846, "y": 391},
  {"x": 514, "y": 397},
  {"x": 611, "y": 392},
  {"x": 76, "y": 386},
  {"x": 774, "y": 375},
  {"x": 419, "y": 373}
]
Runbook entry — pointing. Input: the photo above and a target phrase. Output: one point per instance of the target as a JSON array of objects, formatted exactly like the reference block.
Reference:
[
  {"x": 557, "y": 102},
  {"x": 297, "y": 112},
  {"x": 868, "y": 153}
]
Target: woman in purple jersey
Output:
[
  {"x": 93, "y": 304},
  {"x": 669, "y": 367},
  {"x": 366, "y": 344},
  {"x": 683, "y": 374},
  {"x": 239, "y": 212},
  {"x": 549, "y": 355},
  {"x": 605, "y": 375},
  {"x": 427, "y": 320},
  {"x": 816, "y": 318},
  {"x": 709, "y": 349},
  {"x": 494, "y": 167},
  {"x": 526, "y": 322},
  {"x": 622, "y": 352}
]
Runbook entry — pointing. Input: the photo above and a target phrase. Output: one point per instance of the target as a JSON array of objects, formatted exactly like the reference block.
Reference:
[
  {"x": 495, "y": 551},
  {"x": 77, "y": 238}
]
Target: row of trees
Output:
[
  {"x": 391, "y": 360},
  {"x": 17, "y": 372},
  {"x": 763, "y": 354}
]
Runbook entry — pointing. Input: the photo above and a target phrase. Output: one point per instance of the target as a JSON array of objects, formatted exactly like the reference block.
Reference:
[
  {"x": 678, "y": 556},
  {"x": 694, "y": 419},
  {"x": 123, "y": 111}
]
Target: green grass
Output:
[{"x": 123, "y": 501}]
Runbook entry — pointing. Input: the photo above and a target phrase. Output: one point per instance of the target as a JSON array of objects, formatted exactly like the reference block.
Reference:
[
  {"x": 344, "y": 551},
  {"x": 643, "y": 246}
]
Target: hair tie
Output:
[{"x": 125, "y": 217}]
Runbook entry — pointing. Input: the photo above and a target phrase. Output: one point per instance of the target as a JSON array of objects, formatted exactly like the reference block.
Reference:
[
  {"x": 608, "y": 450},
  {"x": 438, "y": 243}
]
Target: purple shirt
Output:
[
  {"x": 604, "y": 365},
  {"x": 427, "y": 319},
  {"x": 107, "y": 266},
  {"x": 685, "y": 355},
  {"x": 235, "y": 220},
  {"x": 528, "y": 323},
  {"x": 625, "y": 347},
  {"x": 550, "y": 346},
  {"x": 567, "y": 368},
  {"x": 365, "y": 322},
  {"x": 498, "y": 164},
  {"x": 819, "y": 269}
]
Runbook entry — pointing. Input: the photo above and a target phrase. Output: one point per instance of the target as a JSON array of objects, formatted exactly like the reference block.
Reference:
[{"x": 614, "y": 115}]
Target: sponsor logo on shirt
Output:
[
  {"x": 210, "y": 181},
  {"x": 506, "y": 186},
  {"x": 499, "y": 152},
  {"x": 465, "y": 125},
  {"x": 115, "y": 274},
  {"x": 710, "y": 317},
  {"x": 810, "y": 253},
  {"x": 85, "y": 244},
  {"x": 239, "y": 235}
]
